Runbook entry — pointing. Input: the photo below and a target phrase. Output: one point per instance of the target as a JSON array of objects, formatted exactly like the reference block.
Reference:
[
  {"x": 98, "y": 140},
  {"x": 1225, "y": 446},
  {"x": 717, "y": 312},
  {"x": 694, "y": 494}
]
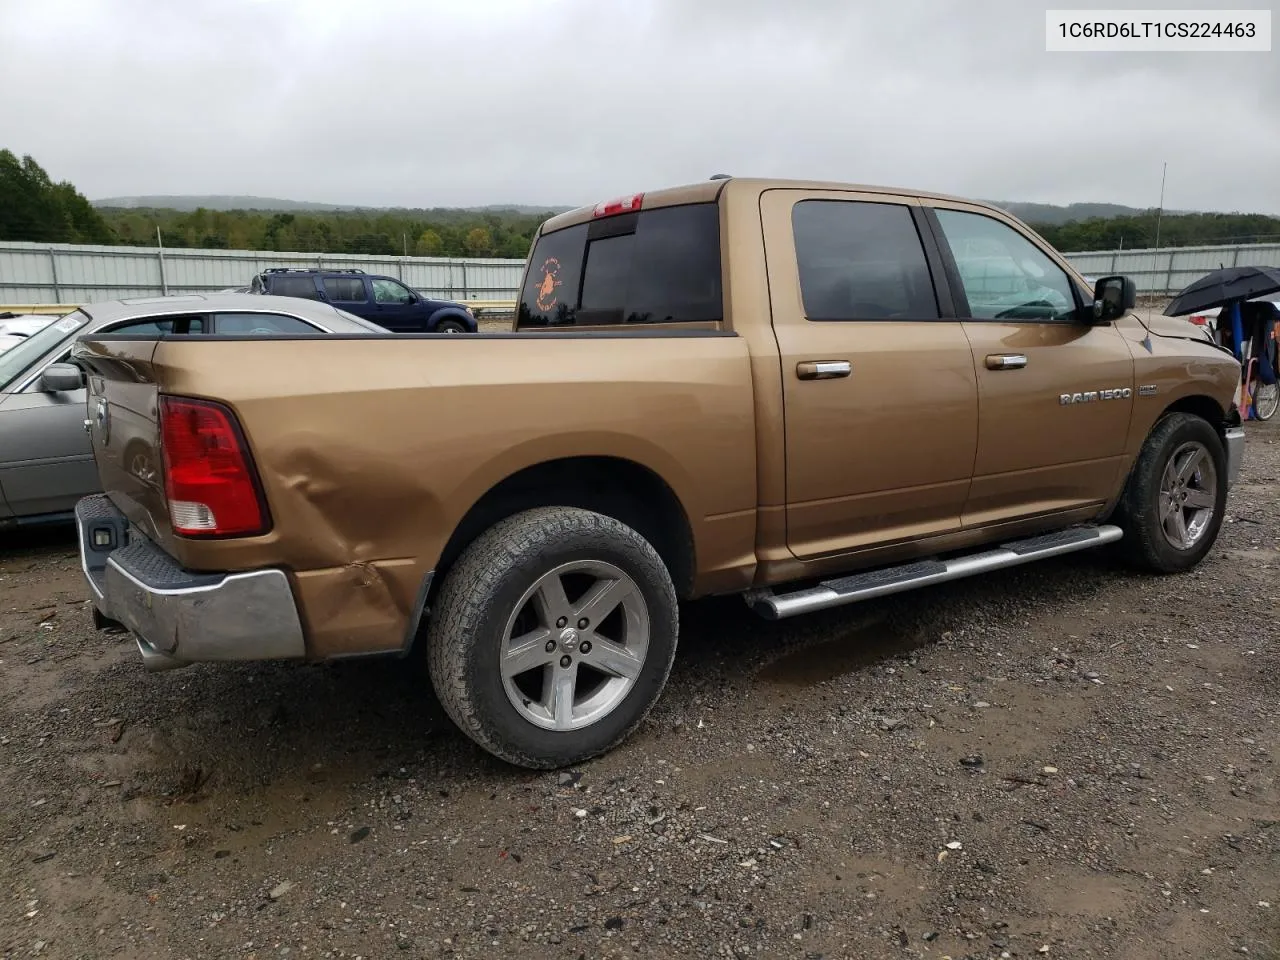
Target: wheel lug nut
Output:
[
  {"x": 566, "y": 661},
  {"x": 583, "y": 623},
  {"x": 562, "y": 622},
  {"x": 551, "y": 646},
  {"x": 586, "y": 646}
]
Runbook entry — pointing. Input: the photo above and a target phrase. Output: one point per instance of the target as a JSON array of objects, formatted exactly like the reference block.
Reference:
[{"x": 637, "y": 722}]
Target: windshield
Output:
[{"x": 15, "y": 361}]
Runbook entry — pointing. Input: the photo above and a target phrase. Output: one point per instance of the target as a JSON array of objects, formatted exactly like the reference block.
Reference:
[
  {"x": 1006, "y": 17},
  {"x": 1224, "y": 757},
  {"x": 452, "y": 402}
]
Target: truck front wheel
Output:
[
  {"x": 553, "y": 636},
  {"x": 1172, "y": 507}
]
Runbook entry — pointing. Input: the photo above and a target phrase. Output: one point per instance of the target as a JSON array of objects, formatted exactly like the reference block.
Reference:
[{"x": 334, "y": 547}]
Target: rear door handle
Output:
[
  {"x": 823, "y": 369},
  {"x": 1006, "y": 361}
]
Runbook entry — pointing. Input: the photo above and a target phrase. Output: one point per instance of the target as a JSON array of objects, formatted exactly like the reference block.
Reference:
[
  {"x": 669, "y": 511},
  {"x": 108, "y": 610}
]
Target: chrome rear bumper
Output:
[
  {"x": 178, "y": 616},
  {"x": 1233, "y": 437}
]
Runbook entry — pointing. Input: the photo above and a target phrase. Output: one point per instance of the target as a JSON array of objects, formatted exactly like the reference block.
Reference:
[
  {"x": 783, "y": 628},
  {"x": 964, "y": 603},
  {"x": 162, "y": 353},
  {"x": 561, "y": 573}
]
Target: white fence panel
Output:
[
  {"x": 1168, "y": 271},
  {"x": 67, "y": 273},
  {"x": 64, "y": 273}
]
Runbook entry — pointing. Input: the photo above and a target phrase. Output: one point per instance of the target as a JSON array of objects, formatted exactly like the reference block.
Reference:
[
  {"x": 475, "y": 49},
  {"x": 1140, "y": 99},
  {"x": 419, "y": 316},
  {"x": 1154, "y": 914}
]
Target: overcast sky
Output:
[{"x": 424, "y": 103}]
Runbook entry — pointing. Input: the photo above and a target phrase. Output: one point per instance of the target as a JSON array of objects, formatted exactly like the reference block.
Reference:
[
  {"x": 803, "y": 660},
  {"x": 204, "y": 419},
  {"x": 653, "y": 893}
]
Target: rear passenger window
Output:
[
  {"x": 264, "y": 324},
  {"x": 860, "y": 260},
  {"x": 652, "y": 266},
  {"x": 347, "y": 289},
  {"x": 295, "y": 287}
]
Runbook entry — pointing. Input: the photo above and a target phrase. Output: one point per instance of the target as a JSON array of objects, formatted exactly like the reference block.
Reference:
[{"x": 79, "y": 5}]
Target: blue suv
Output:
[{"x": 381, "y": 300}]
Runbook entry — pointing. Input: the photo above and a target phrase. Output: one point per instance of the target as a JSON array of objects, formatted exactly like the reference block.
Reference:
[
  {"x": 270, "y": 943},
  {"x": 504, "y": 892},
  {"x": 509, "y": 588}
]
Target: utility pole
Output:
[
  {"x": 164, "y": 282},
  {"x": 1160, "y": 209}
]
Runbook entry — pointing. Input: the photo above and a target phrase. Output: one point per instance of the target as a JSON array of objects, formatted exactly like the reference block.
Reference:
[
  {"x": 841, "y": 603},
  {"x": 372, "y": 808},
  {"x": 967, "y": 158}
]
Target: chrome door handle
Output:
[
  {"x": 823, "y": 369},
  {"x": 1006, "y": 361}
]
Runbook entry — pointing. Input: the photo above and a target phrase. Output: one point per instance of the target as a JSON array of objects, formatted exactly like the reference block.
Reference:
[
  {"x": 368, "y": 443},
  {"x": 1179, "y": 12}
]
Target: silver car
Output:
[{"x": 46, "y": 463}]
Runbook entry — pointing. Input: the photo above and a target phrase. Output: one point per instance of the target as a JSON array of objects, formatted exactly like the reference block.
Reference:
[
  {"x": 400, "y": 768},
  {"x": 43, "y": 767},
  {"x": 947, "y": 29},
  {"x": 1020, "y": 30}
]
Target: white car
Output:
[
  {"x": 8, "y": 340},
  {"x": 24, "y": 324}
]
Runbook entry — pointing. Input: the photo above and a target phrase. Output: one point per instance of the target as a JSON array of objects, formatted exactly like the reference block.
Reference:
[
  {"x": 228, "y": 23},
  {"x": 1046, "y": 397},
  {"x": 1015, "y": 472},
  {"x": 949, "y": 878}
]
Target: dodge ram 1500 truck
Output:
[{"x": 804, "y": 393}]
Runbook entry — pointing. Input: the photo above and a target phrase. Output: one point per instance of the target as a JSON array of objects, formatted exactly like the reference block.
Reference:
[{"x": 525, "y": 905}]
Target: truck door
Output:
[
  {"x": 394, "y": 305},
  {"x": 348, "y": 293},
  {"x": 878, "y": 381},
  {"x": 46, "y": 463},
  {"x": 1033, "y": 345}
]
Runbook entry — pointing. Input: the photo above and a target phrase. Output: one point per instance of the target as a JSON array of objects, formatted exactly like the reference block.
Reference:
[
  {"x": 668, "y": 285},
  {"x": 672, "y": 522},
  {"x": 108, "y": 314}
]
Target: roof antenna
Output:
[{"x": 721, "y": 176}]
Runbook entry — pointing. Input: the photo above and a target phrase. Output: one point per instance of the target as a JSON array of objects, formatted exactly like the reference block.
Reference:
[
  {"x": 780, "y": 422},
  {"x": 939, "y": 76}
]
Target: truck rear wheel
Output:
[
  {"x": 1173, "y": 504},
  {"x": 553, "y": 636}
]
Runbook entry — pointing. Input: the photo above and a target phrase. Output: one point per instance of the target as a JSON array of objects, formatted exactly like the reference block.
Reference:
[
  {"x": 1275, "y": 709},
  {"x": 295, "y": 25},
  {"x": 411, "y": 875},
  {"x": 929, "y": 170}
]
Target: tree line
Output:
[
  {"x": 1142, "y": 230},
  {"x": 420, "y": 233},
  {"x": 33, "y": 207}
]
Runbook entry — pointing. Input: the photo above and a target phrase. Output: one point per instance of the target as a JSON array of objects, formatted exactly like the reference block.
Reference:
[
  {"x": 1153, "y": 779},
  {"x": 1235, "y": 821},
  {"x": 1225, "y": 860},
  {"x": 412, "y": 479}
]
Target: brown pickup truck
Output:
[{"x": 807, "y": 394}]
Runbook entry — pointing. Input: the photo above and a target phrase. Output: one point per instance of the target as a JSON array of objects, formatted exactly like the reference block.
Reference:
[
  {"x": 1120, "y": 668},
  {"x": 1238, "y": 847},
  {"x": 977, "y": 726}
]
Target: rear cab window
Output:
[{"x": 645, "y": 267}]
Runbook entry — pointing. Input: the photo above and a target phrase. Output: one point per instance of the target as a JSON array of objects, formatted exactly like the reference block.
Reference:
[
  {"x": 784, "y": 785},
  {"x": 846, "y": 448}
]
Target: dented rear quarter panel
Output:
[{"x": 371, "y": 450}]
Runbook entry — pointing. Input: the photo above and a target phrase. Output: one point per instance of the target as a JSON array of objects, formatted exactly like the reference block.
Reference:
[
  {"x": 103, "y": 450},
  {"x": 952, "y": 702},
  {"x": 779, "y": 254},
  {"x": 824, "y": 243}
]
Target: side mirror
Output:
[
  {"x": 61, "y": 378},
  {"x": 1113, "y": 297}
]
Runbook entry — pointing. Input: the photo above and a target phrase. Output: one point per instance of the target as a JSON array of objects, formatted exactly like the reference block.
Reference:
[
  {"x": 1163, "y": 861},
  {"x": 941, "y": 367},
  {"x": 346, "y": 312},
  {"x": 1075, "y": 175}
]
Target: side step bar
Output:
[{"x": 922, "y": 573}]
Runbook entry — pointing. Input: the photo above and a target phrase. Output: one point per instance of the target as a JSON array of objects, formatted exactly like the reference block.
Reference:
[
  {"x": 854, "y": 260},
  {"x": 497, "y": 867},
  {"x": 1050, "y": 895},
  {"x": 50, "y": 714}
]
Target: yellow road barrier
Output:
[{"x": 56, "y": 309}]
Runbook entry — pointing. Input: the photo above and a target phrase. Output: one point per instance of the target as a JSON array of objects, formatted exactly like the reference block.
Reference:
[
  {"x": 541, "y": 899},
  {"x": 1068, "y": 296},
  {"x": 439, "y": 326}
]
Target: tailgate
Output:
[{"x": 123, "y": 392}]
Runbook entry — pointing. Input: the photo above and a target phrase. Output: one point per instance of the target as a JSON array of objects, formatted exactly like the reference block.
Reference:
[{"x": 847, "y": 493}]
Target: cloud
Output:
[{"x": 567, "y": 101}]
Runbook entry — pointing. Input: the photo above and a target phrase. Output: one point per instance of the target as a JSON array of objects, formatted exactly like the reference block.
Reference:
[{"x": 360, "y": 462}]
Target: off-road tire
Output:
[
  {"x": 450, "y": 326},
  {"x": 468, "y": 622},
  {"x": 1144, "y": 545}
]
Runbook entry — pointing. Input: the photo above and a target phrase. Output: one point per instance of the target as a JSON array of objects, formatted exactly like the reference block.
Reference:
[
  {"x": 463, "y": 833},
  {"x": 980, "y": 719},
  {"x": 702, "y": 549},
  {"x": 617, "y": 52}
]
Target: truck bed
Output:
[{"x": 372, "y": 450}]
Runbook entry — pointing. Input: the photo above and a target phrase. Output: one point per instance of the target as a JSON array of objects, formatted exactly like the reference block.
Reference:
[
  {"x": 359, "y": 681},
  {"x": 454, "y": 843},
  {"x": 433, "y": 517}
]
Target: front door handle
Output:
[
  {"x": 1006, "y": 361},
  {"x": 823, "y": 369}
]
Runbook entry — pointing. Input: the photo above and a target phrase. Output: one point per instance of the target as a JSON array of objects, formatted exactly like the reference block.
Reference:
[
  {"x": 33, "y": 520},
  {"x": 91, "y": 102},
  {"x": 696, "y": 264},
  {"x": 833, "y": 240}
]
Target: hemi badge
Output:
[{"x": 1148, "y": 390}]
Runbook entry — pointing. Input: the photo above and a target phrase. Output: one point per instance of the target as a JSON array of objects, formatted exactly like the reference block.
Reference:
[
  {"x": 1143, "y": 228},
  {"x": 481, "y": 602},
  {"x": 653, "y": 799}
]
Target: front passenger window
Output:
[
  {"x": 1005, "y": 276},
  {"x": 388, "y": 291}
]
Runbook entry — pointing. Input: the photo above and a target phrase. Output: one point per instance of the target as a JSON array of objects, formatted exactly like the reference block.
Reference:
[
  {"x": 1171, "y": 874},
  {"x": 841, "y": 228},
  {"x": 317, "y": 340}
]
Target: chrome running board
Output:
[{"x": 922, "y": 573}]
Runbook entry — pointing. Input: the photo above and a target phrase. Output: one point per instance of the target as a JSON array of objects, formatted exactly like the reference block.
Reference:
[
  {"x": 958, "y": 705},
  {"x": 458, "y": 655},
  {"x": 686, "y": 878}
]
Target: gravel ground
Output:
[{"x": 1065, "y": 760}]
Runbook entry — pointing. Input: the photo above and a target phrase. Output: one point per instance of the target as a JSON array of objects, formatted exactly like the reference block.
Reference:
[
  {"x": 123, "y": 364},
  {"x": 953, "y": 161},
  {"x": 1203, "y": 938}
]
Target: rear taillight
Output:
[
  {"x": 608, "y": 208},
  {"x": 208, "y": 476},
  {"x": 1199, "y": 320}
]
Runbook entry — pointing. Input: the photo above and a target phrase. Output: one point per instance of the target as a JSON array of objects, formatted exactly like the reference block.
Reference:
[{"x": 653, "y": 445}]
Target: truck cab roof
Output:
[{"x": 709, "y": 190}]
